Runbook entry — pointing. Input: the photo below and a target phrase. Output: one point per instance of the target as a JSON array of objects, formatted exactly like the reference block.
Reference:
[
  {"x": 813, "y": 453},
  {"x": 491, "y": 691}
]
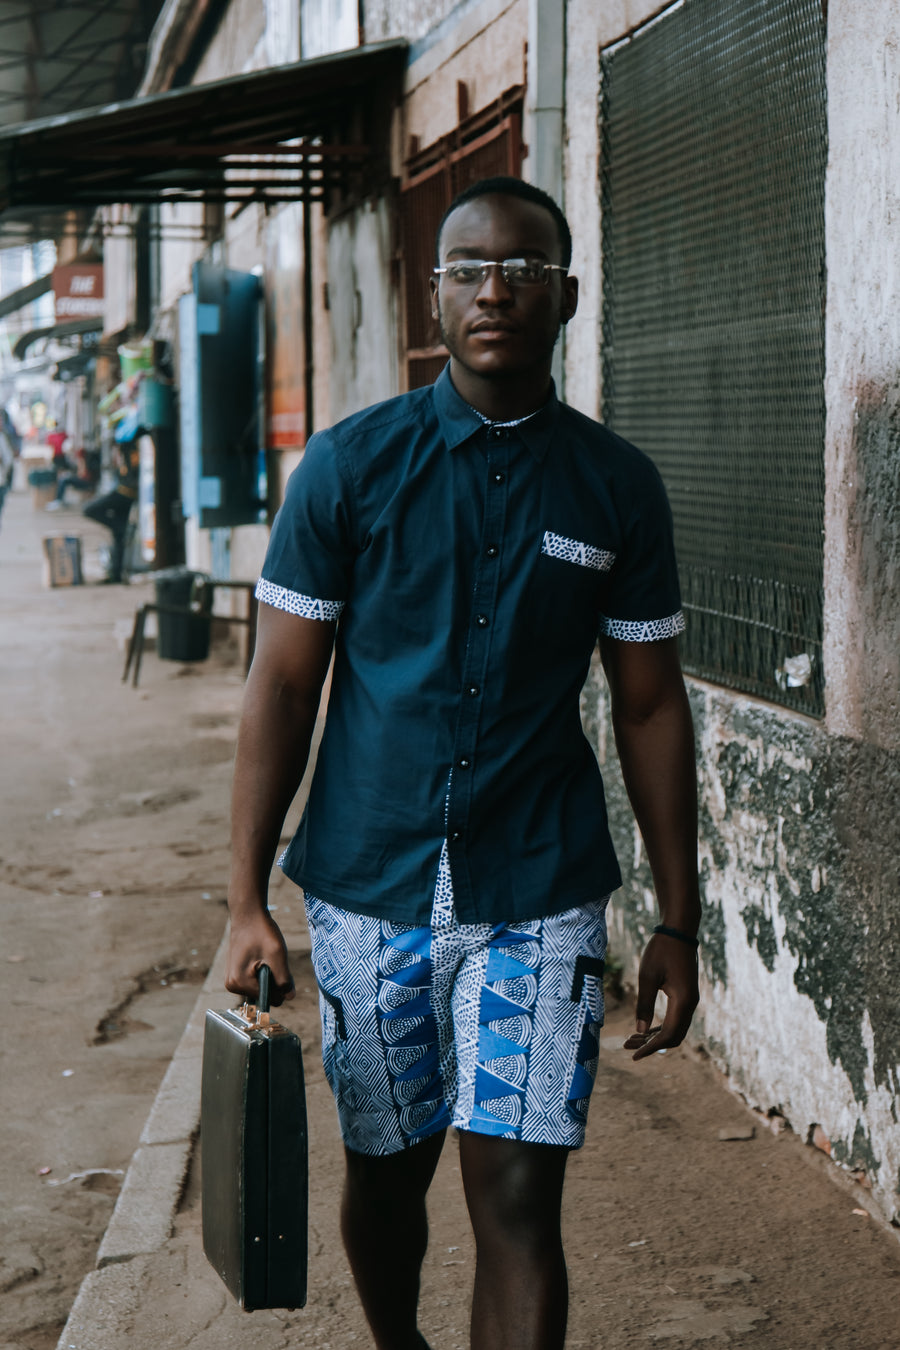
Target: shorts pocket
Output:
[
  {"x": 337, "y": 1008},
  {"x": 587, "y": 986}
]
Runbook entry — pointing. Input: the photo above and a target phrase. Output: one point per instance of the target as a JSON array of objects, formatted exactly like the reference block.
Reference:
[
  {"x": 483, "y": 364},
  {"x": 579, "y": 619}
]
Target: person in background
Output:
[
  {"x": 10, "y": 431},
  {"x": 83, "y": 478},
  {"x": 10, "y": 445},
  {"x": 113, "y": 508},
  {"x": 56, "y": 439}
]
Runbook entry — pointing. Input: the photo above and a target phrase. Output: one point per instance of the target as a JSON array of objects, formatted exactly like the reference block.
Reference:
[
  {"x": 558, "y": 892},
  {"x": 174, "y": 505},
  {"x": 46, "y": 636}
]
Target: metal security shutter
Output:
[
  {"x": 423, "y": 202},
  {"x": 712, "y": 185},
  {"x": 481, "y": 146}
]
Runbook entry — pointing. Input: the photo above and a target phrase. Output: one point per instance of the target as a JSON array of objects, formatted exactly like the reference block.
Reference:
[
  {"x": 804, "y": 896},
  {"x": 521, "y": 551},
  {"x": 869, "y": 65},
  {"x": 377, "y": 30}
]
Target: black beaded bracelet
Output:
[{"x": 677, "y": 933}]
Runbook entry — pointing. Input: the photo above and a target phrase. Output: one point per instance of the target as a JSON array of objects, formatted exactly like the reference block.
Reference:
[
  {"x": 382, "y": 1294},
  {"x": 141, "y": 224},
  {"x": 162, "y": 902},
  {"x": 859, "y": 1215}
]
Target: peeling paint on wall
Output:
[
  {"x": 800, "y": 871},
  {"x": 876, "y": 446}
]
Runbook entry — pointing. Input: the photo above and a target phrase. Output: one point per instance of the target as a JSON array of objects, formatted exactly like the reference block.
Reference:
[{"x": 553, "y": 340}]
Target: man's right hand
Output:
[
  {"x": 281, "y": 701},
  {"x": 256, "y": 942}
]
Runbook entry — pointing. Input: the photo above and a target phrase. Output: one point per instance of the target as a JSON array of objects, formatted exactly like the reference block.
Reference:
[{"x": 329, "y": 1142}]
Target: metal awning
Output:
[
  {"x": 75, "y": 328},
  {"x": 25, "y": 295},
  {"x": 289, "y": 133},
  {"x": 70, "y": 367}
]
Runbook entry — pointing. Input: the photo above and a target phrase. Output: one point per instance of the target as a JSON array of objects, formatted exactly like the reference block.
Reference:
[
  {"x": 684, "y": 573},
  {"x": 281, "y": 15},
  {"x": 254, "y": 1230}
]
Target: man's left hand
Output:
[{"x": 670, "y": 966}]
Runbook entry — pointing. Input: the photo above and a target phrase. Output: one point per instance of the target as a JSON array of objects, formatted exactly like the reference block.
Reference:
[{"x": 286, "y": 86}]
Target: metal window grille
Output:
[
  {"x": 712, "y": 176},
  {"x": 480, "y": 147}
]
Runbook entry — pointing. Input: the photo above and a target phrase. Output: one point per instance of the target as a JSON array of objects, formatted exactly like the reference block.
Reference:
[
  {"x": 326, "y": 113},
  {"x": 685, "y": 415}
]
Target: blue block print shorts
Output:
[{"x": 488, "y": 1027}]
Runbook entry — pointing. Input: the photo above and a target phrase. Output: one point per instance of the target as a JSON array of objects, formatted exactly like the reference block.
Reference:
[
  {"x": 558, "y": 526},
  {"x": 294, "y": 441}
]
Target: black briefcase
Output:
[{"x": 254, "y": 1154}]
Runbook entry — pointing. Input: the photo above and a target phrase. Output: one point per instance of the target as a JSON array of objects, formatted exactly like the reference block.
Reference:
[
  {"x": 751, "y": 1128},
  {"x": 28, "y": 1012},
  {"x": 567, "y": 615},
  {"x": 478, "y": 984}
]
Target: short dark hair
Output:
[{"x": 503, "y": 186}]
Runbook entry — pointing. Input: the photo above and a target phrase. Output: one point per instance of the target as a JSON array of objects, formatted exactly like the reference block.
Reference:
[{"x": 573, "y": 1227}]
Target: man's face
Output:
[{"x": 495, "y": 330}]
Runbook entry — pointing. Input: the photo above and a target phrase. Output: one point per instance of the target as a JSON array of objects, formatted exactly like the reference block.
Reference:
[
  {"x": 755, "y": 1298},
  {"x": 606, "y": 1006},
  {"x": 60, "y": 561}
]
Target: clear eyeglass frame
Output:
[{"x": 515, "y": 271}]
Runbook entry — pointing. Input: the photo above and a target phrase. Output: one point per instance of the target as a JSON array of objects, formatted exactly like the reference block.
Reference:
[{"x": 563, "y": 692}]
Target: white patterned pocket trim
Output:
[
  {"x": 642, "y": 630},
  {"x": 292, "y": 602},
  {"x": 574, "y": 551}
]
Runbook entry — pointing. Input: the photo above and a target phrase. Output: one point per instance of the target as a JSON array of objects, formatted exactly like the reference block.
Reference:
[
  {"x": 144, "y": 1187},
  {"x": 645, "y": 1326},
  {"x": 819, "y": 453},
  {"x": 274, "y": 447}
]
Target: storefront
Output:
[{"x": 229, "y": 381}]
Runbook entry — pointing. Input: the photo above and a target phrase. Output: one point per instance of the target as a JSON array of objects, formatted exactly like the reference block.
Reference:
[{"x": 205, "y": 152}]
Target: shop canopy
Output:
[
  {"x": 75, "y": 328},
  {"x": 25, "y": 295},
  {"x": 297, "y": 132}
]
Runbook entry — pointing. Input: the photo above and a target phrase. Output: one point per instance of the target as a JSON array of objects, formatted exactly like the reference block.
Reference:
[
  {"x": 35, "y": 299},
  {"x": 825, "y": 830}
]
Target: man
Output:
[{"x": 459, "y": 548}]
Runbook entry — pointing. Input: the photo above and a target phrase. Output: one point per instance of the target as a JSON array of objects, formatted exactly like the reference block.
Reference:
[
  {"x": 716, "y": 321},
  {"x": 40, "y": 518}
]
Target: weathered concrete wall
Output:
[
  {"x": 800, "y": 869},
  {"x": 862, "y": 496},
  {"x": 234, "y": 46},
  {"x": 182, "y": 243},
  {"x": 119, "y": 286},
  {"x": 482, "y": 45},
  {"x": 320, "y": 321},
  {"x": 800, "y": 821},
  {"x": 328, "y": 26},
  {"x": 414, "y": 19},
  {"x": 362, "y": 310}
]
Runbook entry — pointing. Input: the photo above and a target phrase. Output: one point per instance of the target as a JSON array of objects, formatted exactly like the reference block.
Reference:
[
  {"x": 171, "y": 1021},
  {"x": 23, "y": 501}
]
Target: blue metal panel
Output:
[
  {"x": 209, "y": 320},
  {"x": 220, "y": 430}
]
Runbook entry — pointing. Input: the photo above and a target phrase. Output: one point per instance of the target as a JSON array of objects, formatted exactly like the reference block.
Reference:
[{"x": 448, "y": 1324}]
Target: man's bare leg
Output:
[
  {"x": 385, "y": 1232},
  {"x": 514, "y": 1194}
]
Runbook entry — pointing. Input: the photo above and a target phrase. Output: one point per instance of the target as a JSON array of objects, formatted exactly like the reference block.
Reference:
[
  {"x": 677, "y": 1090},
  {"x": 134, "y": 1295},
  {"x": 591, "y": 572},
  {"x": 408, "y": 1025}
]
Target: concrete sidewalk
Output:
[
  {"x": 144, "y": 1216},
  {"x": 687, "y": 1221}
]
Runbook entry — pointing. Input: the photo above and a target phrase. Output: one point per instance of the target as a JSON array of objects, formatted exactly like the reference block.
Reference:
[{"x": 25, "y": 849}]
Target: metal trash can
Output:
[
  {"x": 182, "y": 637},
  {"x": 43, "y": 485}
]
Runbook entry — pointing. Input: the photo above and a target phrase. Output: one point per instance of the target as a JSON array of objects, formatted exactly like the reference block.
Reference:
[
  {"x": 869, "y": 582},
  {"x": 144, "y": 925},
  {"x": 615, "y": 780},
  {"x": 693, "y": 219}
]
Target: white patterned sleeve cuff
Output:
[
  {"x": 642, "y": 630},
  {"x": 292, "y": 602}
]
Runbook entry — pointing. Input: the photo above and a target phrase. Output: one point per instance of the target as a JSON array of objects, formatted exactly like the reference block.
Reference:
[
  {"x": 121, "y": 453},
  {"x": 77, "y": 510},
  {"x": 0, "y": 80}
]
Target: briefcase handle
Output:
[{"x": 262, "y": 1003}]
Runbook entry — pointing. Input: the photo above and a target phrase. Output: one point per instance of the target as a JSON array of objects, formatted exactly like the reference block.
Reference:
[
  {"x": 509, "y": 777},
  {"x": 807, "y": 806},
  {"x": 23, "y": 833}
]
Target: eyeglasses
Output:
[{"x": 515, "y": 271}]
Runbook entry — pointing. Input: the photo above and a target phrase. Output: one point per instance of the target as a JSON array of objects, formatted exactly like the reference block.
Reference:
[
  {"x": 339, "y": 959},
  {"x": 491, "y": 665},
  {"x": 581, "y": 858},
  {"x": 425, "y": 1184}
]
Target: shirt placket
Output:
[{"x": 476, "y": 666}]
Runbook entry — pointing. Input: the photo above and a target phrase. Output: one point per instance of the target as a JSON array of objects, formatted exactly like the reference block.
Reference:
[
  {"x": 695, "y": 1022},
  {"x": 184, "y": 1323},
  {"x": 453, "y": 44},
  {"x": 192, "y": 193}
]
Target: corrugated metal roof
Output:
[
  {"x": 57, "y": 57},
  {"x": 288, "y": 133}
]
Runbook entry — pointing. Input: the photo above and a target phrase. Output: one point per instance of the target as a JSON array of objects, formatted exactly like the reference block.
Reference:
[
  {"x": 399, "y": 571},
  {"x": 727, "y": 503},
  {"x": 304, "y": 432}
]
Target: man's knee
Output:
[{"x": 513, "y": 1188}]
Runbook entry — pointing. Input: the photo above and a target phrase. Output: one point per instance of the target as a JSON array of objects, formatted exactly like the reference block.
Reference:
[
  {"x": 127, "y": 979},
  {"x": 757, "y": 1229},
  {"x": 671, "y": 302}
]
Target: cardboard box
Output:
[{"x": 63, "y": 560}]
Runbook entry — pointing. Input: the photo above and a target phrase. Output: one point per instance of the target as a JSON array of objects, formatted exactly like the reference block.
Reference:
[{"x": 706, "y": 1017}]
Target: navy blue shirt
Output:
[{"x": 471, "y": 568}]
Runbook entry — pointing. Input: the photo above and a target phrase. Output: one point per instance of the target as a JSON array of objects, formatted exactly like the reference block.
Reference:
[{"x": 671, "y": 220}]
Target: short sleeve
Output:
[
  {"x": 643, "y": 601},
  {"x": 311, "y": 549}
]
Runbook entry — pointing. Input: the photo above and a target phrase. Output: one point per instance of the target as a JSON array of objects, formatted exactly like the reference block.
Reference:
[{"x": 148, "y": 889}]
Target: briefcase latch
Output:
[
  {"x": 254, "y": 1020},
  {"x": 257, "y": 1015}
]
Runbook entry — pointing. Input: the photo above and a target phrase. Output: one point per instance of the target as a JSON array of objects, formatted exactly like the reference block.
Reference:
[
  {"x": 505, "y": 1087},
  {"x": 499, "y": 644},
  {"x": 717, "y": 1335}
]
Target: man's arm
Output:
[
  {"x": 281, "y": 702},
  {"x": 654, "y": 735}
]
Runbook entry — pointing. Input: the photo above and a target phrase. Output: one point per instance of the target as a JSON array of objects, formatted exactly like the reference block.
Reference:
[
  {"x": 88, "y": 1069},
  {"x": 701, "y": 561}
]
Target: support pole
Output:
[{"x": 545, "y": 115}]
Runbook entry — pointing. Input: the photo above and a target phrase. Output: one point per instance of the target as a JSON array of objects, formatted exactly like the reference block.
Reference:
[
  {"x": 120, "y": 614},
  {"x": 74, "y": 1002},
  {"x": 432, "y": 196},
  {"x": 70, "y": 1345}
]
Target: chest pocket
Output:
[
  {"x": 570, "y": 579},
  {"x": 577, "y": 552}
]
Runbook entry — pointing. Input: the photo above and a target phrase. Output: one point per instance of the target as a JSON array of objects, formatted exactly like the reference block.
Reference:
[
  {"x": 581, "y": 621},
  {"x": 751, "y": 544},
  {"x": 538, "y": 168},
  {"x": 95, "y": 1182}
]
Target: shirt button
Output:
[
  {"x": 499, "y": 477},
  {"x": 473, "y": 691},
  {"x": 482, "y": 620},
  {"x": 492, "y": 550},
  {"x": 464, "y": 763},
  {"x": 456, "y": 836},
  {"x": 498, "y": 433}
]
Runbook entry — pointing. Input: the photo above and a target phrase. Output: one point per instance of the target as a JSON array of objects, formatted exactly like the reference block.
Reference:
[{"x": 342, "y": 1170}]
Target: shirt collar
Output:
[{"x": 459, "y": 422}]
